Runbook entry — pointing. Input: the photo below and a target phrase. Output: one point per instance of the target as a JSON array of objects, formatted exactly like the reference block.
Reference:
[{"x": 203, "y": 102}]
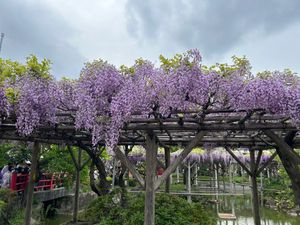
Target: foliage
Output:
[
  {"x": 18, "y": 218},
  {"x": 240, "y": 64},
  {"x": 9, "y": 205},
  {"x": 279, "y": 192},
  {"x": 15, "y": 153},
  {"x": 10, "y": 70},
  {"x": 109, "y": 210},
  {"x": 55, "y": 158}
]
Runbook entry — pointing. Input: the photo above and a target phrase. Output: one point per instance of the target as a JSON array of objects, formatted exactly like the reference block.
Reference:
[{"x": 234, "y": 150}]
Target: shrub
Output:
[
  {"x": 112, "y": 209},
  {"x": 8, "y": 205}
]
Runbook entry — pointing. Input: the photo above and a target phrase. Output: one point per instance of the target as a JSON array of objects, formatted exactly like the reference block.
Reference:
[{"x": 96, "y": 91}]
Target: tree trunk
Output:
[
  {"x": 123, "y": 169},
  {"x": 290, "y": 160},
  {"x": 104, "y": 184},
  {"x": 292, "y": 168},
  {"x": 32, "y": 180},
  {"x": 92, "y": 180}
]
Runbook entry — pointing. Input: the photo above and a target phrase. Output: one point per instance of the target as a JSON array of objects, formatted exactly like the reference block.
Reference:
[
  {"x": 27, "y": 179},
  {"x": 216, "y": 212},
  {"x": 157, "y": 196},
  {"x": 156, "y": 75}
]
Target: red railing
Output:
[
  {"x": 18, "y": 181},
  {"x": 47, "y": 181}
]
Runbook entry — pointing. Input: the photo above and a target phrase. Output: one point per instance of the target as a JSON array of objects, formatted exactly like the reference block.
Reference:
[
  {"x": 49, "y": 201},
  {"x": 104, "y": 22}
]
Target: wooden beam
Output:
[
  {"x": 124, "y": 160},
  {"x": 238, "y": 160},
  {"x": 179, "y": 159},
  {"x": 267, "y": 163},
  {"x": 258, "y": 160}
]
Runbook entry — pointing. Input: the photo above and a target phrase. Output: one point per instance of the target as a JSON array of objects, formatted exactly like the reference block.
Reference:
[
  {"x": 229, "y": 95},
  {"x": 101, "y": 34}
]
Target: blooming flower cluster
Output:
[
  {"x": 105, "y": 98},
  {"x": 217, "y": 155},
  {"x": 38, "y": 101},
  {"x": 3, "y": 102}
]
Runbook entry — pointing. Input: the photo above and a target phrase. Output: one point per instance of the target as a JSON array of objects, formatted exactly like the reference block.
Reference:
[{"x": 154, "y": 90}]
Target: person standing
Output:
[{"x": 7, "y": 177}]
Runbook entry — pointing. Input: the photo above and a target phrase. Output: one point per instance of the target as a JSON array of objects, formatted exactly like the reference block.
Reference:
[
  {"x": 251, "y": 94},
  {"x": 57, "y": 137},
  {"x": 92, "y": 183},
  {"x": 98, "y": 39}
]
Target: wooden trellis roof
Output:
[{"x": 222, "y": 127}]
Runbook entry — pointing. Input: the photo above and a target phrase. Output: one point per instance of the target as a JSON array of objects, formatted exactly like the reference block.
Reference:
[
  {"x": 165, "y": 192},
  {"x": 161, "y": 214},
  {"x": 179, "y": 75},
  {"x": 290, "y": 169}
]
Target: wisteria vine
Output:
[{"x": 104, "y": 97}]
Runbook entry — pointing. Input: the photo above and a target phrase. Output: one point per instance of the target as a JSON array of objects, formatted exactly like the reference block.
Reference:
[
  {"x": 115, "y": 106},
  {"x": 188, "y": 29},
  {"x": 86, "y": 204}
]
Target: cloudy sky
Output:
[{"x": 71, "y": 32}]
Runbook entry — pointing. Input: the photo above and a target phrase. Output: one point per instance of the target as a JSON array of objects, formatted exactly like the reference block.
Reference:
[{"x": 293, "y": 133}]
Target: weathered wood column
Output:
[
  {"x": 77, "y": 187},
  {"x": 177, "y": 175},
  {"x": 255, "y": 200},
  {"x": 167, "y": 162},
  {"x": 114, "y": 173},
  {"x": 189, "y": 187},
  {"x": 78, "y": 166},
  {"x": 32, "y": 179},
  {"x": 151, "y": 161},
  {"x": 216, "y": 178},
  {"x": 230, "y": 178}
]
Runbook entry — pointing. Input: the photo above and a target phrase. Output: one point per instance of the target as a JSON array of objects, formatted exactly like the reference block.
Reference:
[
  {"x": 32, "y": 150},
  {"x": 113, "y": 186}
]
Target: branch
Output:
[
  {"x": 73, "y": 157},
  {"x": 85, "y": 163},
  {"x": 288, "y": 150}
]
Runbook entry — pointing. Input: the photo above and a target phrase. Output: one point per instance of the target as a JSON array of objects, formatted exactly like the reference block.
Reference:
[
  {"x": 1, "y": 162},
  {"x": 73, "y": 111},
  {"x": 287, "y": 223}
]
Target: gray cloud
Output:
[
  {"x": 212, "y": 26},
  {"x": 32, "y": 28}
]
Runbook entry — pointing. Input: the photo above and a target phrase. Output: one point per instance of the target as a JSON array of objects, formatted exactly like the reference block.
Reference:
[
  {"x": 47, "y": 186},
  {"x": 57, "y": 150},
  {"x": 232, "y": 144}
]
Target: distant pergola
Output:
[{"x": 255, "y": 130}]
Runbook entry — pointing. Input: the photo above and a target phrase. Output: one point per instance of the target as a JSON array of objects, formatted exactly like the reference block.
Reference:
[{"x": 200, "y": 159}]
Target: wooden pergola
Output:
[{"x": 256, "y": 131}]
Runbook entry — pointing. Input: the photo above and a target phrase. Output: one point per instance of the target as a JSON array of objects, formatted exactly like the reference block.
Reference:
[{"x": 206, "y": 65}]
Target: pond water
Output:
[
  {"x": 241, "y": 207},
  {"x": 57, "y": 220}
]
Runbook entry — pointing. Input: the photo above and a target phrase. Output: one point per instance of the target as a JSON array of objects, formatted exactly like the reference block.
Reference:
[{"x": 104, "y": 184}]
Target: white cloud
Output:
[{"x": 70, "y": 32}]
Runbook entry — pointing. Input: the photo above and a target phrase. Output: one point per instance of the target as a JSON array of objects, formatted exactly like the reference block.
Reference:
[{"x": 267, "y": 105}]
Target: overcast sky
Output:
[{"x": 71, "y": 32}]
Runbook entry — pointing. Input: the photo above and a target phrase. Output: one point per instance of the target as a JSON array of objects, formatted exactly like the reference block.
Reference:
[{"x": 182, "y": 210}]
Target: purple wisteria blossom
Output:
[
  {"x": 104, "y": 98},
  {"x": 37, "y": 103},
  {"x": 3, "y": 103}
]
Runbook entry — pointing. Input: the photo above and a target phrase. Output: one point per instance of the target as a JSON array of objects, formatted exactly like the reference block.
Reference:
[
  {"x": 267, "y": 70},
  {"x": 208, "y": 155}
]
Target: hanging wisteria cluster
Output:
[
  {"x": 37, "y": 103},
  {"x": 218, "y": 156},
  {"x": 3, "y": 102},
  {"x": 104, "y": 98}
]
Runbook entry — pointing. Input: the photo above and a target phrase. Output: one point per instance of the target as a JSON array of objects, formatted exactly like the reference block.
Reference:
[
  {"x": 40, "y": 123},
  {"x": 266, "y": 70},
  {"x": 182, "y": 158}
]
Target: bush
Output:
[
  {"x": 278, "y": 192},
  {"x": 120, "y": 208},
  {"x": 9, "y": 205}
]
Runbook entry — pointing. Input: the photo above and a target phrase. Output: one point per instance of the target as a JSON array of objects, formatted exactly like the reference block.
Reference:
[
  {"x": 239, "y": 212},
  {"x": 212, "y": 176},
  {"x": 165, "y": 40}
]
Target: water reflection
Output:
[{"x": 241, "y": 208}]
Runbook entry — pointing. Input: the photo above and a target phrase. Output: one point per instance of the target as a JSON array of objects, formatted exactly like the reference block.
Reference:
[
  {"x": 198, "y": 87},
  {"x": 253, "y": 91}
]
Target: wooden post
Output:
[
  {"x": 189, "y": 198},
  {"x": 216, "y": 178},
  {"x": 151, "y": 161},
  {"x": 230, "y": 178},
  {"x": 77, "y": 187},
  {"x": 196, "y": 175},
  {"x": 167, "y": 162},
  {"x": 114, "y": 173},
  {"x": 261, "y": 190},
  {"x": 255, "y": 200},
  {"x": 32, "y": 180},
  {"x": 177, "y": 174}
]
